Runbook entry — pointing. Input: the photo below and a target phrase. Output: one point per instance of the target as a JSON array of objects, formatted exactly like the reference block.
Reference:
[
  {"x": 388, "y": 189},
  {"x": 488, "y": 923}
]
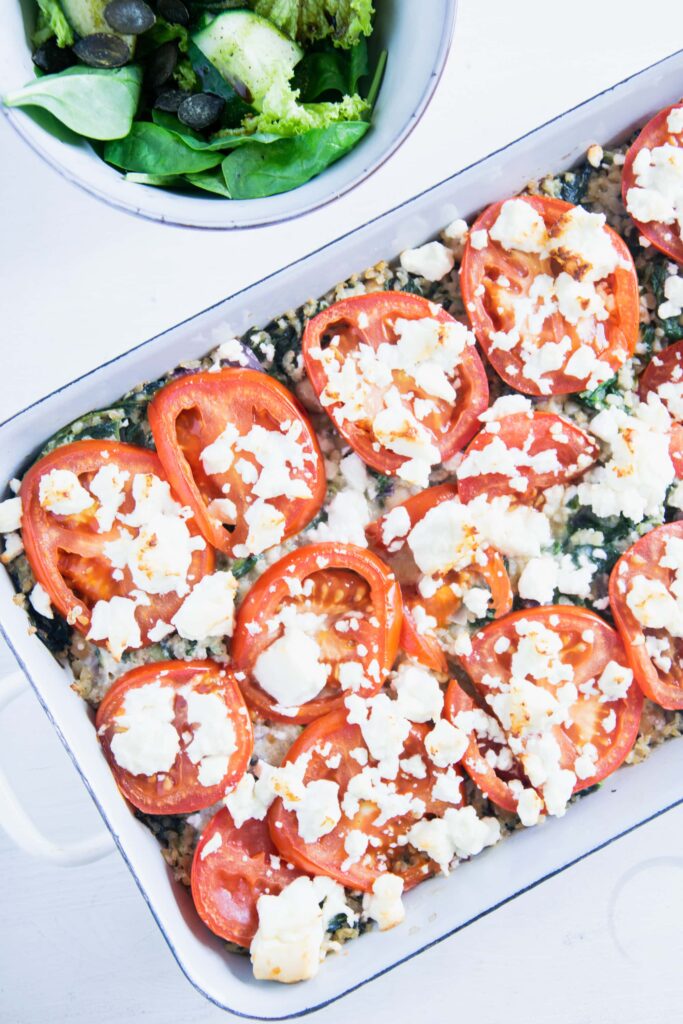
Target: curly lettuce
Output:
[
  {"x": 308, "y": 21},
  {"x": 288, "y": 117},
  {"x": 51, "y": 22}
]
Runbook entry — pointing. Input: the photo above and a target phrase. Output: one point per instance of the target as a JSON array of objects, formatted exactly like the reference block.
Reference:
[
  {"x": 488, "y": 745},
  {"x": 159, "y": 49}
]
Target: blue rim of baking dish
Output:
[{"x": 512, "y": 896}]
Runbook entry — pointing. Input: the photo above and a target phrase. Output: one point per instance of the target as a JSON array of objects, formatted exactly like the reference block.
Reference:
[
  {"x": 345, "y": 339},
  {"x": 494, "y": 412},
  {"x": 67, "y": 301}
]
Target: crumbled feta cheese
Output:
[
  {"x": 60, "y": 492},
  {"x": 146, "y": 741},
  {"x": 209, "y": 609},
  {"x": 431, "y": 261},
  {"x": 108, "y": 486},
  {"x": 289, "y": 943},
  {"x": 290, "y": 669},
  {"x": 658, "y": 191},
  {"x": 218, "y": 456},
  {"x": 446, "y": 744},
  {"x": 114, "y": 622},
  {"x": 252, "y": 796},
  {"x": 383, "y": 727},
  {"x": 213, "y": 735},
  {"x": 384, "y": 904},
  {"x": 214, "y": 844},
  {"x": 40, "y": 600},
  {"x": 518, "y": 226},
  {"x": 10, "y": 515},
  {"x": 418, "y": 694}
]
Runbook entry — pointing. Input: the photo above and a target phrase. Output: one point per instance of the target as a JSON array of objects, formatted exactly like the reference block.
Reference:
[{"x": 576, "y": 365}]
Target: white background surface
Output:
[{"x": 79, "y": 283}]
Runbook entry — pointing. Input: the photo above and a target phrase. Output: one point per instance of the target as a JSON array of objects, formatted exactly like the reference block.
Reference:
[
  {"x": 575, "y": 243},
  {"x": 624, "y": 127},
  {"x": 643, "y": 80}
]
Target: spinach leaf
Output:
[
  {"x": 195, "y": 141},
  {"x": 159, "y": 180},
  {"x": 210, "y": 181},
  {"x": 150, "y": 149},
  {"x": 672, "y": 325},
  {"x": 597, "y": 398},
  {"x": 213, "y": 81},
  {"x": 330, "y": 70},
  {"x": 258, "y": 170},
  {"x": 575, "y": 184},
  {"x": 95, "y": 102}
]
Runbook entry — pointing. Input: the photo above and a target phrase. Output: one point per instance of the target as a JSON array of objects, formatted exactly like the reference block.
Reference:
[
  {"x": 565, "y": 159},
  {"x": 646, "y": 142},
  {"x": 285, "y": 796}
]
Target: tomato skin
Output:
[
  {"x": 443, "y": 604},
  {"x": 482, "y": 267},
  {"x": 271, "y": 591},
  {"x": 380, "y": 308},
  {"x": 227, "y": 883},
  {"x": 655, "y": 133},
  {"x": 185, "y": 794},
  {"x": 665, "y": 688},
  {"x": 327, "y": 855},
  {"x": 664, "y": 367},
  {"x": 198, "y": 407},
  {"x": 587, "y": 659},
  {"x": 66, "y": 552},
  {"x": 533, "y": 431}
]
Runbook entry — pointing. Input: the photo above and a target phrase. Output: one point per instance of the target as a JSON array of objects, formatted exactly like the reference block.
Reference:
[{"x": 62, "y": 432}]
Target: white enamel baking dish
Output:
[{"x": 440, "y": 907}]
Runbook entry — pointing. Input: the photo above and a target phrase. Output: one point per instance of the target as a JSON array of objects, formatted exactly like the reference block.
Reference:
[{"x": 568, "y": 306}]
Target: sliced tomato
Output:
[
  {"x": 494, "y": 279},
  {"x": 539, "y": 435},
  {"x": 356, "y": 327},
  {"x": 665, "y": 237},
  {"x": 191, "y": 413},
  {"x": 358, "y": 603},
  {"x": 660, "y": 682},
  {"x": 231, "y": 868},
  {"x": 441, "y": 606},
  {"x": 67, "y": 552},
  {"x": 323, "y": 740},
  {"x": 588, "y": 645},
  {"x": 188, "y": 784},
  {"x": 665, "y": 370},
  {"x": 493, "y": 782}
]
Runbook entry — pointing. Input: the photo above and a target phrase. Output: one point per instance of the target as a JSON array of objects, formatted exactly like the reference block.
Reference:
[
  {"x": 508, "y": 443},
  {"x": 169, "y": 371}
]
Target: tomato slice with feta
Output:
[
  {"x": 176, "y": 734},
  {"x": 524, "y": 455},
  {"x": 108, "y": 541},
  {"x": 400, "y": 379},
  {"x": 552, "y": 295},
  {"x": 426, "y": 610},
  {"x": 652, "y": 180},
  {"x": 558, "y": 682},
  {"x": 663, "y": 377},
  {"x": 646, "y": 596},
  {"x": 241, "y": 452},
  {"x": 336, "y": 751},
  {"x": 488, "y": 760},
  {"x": 322, "y": 621},
  {"x": 231, "y": 868}
]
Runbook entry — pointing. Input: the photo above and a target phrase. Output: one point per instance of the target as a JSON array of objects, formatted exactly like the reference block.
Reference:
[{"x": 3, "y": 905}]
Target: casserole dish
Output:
[
  {"x": 417, "y": 50},
  {"x": 628, "y": 800}
]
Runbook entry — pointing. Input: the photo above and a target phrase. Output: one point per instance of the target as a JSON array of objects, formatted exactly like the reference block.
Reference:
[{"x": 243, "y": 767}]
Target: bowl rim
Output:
[{"x": 33, "y": 134}]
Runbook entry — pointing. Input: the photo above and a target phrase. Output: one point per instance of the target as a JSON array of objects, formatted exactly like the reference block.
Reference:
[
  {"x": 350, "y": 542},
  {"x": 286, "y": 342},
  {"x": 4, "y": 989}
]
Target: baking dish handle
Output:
[{"x": 19, "y": 826}]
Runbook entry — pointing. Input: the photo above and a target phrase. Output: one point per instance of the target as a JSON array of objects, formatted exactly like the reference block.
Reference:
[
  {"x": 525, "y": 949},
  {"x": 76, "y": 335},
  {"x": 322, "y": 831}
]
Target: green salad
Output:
[{"x": 239, "y": 100}]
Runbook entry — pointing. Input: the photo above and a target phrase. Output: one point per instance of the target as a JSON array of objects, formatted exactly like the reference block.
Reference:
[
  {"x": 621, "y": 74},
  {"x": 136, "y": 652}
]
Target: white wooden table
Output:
[{"x": 79, "y": 282}]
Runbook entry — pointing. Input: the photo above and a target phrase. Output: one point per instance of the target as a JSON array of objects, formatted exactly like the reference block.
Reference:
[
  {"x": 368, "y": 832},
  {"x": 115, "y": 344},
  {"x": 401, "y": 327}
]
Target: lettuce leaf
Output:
[
  {"x": 52, "y": 22},
  {"x": 282, "y": 114},
  {"x": 307, "y": 21}
]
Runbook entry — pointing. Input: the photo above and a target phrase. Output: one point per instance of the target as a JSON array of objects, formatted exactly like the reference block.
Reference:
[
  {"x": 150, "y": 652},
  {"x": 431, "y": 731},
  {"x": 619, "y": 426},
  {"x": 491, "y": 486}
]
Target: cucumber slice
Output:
[{"x": 248, "y": 51}]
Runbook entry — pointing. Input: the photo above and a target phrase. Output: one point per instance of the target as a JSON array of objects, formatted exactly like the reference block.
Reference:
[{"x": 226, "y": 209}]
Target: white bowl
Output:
[{"x": 417, "y": 47}]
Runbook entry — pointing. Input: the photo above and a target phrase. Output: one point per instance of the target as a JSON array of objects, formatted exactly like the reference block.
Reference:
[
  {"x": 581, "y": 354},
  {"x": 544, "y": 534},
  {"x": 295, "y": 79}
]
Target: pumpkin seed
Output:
[
  {"x": 102, "y": 50},
  {"x": 170, "y": 99},
  {"x": 132, "y": 17},
  {"x": 174, "y": 11},
  {"x": 51, "y": 58},
  {"x": 161, "y": 64},
  {"x": 200, "y": 110}
]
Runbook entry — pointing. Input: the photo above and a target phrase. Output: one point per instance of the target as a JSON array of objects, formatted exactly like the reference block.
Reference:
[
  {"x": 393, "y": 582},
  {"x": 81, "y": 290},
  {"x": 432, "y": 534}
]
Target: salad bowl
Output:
[{"x": 417, "y": 49}]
